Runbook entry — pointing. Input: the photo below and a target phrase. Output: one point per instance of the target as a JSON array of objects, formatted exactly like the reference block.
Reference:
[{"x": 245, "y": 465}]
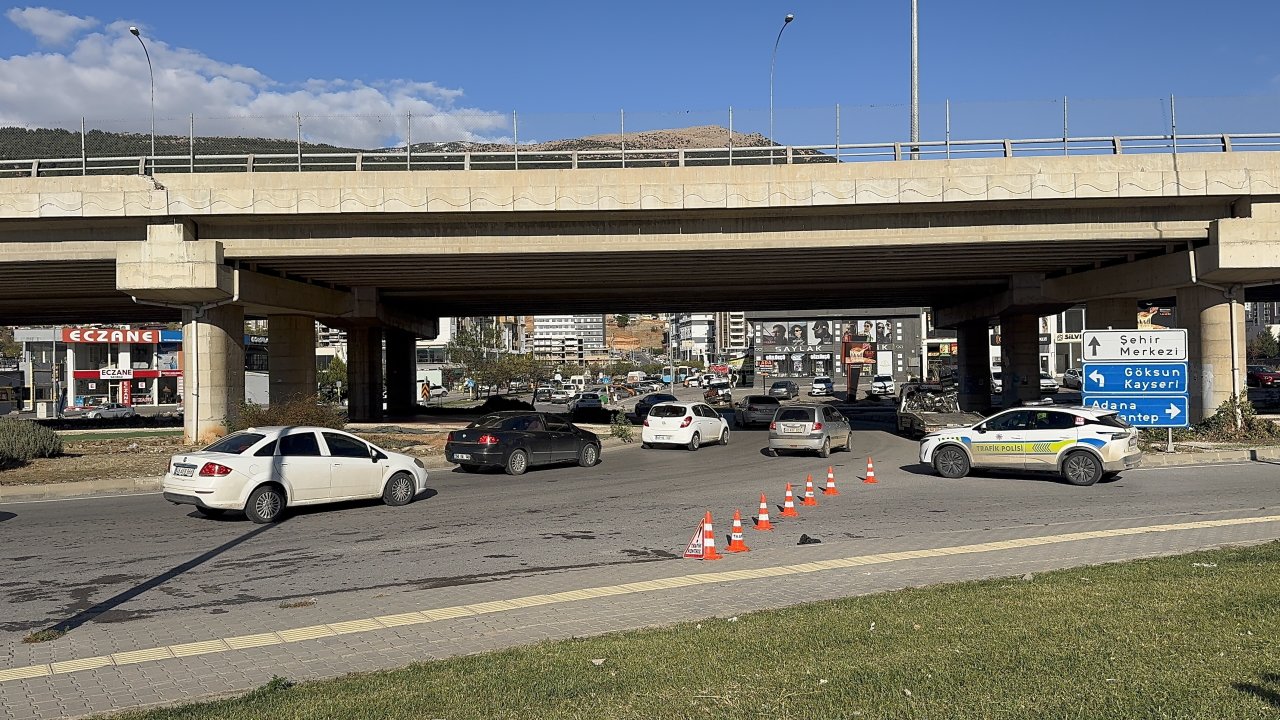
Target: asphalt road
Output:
[{"x": 122, "y": 558}]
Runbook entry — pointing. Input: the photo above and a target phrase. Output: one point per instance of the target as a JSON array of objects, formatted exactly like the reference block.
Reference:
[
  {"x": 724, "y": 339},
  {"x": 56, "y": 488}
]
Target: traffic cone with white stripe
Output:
[
  {"x": 735, "y": 536},
  {"x": 789, "y": 504},
  {"x": 762, "y": 520},
  {"x": 870, "y": 479},
  {"x": 703, "y": 544},
  {"x": 809, "y": 498},
  {"x": 830, "y": 489}
]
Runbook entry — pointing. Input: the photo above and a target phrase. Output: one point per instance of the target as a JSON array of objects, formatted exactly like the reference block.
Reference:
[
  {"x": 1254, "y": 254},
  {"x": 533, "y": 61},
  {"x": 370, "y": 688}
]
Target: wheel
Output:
[
  {"x": 265, "y": 504},
  {"x": 724, "y": 436},
  {"x": 694, "y": 442},
  {"x": 517, "y": 462},
  {"x": 848, "y": 442},
  {"x": 400, "y": 490},
  {"x": 825, "y": 450},
  {"x": 589, "y": 456},
  {"x": 951, "y": 462},
  {"x": 1081, "y": 468},
  {"x": 210, "y": 512}
]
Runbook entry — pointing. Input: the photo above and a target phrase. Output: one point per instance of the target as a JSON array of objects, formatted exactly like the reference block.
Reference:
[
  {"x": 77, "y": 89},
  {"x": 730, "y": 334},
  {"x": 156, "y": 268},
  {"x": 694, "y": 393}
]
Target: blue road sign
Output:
[
  {"x": 1143, "y": 410},
  {"x": 1147, "y": 378}
]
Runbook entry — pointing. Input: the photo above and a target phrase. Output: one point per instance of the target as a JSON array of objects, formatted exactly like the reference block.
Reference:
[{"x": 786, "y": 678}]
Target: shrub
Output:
[
  {"x": 621, "y": 427},
  {"x": 302, "y": 410},
  {"x": 22, "y": 440},
  {"x": 1237, "y": 421}
]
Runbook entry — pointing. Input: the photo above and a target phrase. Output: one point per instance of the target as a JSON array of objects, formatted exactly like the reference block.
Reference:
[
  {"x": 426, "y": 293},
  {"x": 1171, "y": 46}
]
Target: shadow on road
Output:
[
  {"x": 119, "y": 599},
  {"x": 7, "y": 516}
]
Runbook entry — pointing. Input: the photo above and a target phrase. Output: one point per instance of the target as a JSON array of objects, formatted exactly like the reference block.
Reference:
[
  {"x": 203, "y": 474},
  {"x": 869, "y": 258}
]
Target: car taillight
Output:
[
  {"x": 214, "y": 470},
  {"x": 773, "y": 425},
  {"x": 817, "y": 426},
  {"x": 688, "y": 419},
  {"x": 646, "y": 422},
  {"x": 449, "y": 438},
  {"x": 488, "y": 440}
]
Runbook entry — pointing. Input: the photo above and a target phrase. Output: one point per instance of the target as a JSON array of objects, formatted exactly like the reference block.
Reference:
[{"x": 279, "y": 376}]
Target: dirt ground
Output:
[{"x": 148, "y": 456}]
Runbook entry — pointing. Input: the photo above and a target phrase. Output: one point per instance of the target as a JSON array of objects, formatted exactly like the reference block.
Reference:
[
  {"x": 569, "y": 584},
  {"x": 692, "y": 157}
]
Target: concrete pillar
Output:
[
  {"x": 402, "y": 371},
  {"x": 974, "y": 366},
  {"x": 1019, "y": 358},
  {"x": 1212, "y": 331},
  {"x": 364, "y": 374},
  {"x": 291, "y": 356},
  {"x": 213, "y": 371},
  {"x": 1113, "y": 313}
]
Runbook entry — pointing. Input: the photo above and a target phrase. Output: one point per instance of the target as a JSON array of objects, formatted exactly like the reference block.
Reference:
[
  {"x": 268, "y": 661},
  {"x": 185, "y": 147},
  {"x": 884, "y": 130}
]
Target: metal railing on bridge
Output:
[{"x": 261, "y": 144}]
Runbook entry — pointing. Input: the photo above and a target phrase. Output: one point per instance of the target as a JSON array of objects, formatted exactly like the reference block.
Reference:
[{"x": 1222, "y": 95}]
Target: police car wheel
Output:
[
  {"x": 1081, "y": 468},
  {"x": 951, "y": 462}
]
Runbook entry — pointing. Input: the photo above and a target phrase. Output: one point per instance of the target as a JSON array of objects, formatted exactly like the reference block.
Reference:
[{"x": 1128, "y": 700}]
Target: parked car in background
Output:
[
  {"x": 882, "y": 386},
  {"x": 1081, "y": 444},
  {"x": 586, "y": 401},
  {"x": 1073, "y": 379},
  {"x": 822, "y": 385},
  {"x": 1047, "y": 383},
  {"x": 434, "y": 391},
  {"x": 683, "y": 423},
  {"x": 543, "y": 393},
  {"x": 111, "y": 410},
  {"x": 755, "y": 410},
  {"x": 648, "y": 401},
  {"x": 517, "y": 440},
  {"x": 264, "y": 470},
  {"x": 813, "y": 428},
  {"x": 1262, "y": 376},
  {"x": 561, "y": 396},
  {"x": 784, "y": 389},
  {"x": 997, "y": 386}
]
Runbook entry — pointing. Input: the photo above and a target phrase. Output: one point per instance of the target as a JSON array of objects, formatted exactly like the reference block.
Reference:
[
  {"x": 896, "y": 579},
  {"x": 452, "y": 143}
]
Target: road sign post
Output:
[{"x": 1141, "y": 375}]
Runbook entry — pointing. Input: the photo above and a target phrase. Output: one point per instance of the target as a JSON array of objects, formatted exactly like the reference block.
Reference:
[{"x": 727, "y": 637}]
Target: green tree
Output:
[
  {"x": 622, "y": 320},
  {"x": 331, "y": 382},
  {"x": 8, "y": 346},
  {"x": 1263, "y": 345}
]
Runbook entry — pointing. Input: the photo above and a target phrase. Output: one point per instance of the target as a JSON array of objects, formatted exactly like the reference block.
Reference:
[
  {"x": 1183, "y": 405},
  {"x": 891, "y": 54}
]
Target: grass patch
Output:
[
  {"x": 1193, "y": 636},
  {"x": 45, "y": 635},
  {"x": 287, "y": 604}
]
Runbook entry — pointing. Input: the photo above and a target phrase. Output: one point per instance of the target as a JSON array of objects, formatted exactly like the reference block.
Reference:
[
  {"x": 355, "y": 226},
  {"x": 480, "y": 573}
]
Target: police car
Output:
[{"x": 1081, "y": 444}]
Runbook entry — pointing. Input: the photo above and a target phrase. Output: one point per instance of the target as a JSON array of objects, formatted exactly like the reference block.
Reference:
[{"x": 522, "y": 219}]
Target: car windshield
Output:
[
  {"x": 794, "y": 415},
  {"x": 669, "y": 411},
  {"x": 660, "y": 398},
  {"x": 778, "y": 386},
  {"x": 235, "y": 443},
  {"x": 822, "y": 380},
  {"x": 883, "y": 378},
  {"x": 488, "y": 421},
  {"x": 588, "y": 396}
]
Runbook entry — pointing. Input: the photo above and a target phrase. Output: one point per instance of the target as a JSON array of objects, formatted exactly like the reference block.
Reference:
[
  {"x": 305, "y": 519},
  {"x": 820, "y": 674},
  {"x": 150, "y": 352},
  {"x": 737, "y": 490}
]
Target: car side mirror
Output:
[{"x": 981, "y": 427}]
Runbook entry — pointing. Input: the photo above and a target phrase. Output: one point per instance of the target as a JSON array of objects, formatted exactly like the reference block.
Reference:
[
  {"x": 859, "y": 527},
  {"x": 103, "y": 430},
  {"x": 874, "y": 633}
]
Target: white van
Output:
[{"x": 577, "y": 383}]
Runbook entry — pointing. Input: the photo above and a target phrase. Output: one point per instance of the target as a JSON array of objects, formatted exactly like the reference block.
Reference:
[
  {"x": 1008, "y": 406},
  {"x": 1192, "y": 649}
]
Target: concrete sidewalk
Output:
[{"x": 100, "y": 667}]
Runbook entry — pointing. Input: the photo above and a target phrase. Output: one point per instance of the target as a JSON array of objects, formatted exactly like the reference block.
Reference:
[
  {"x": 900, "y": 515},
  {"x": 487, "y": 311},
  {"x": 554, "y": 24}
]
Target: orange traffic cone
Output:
[
  {"x": 789, "y": 504},
  {"x": 809, "y": 499},
  {"x": 735, "y": 536},
  {"x": 703, "y": 544},
  {"x": 830, "y": 489},
  {"x": 870, "y": 479},
  {"x": 762, "y": 520}
]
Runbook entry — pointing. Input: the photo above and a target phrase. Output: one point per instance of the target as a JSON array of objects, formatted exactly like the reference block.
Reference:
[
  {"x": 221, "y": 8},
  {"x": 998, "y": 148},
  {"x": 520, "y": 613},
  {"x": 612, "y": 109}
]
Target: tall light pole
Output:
[
  {"x": 773, "y": 61},
  {"x": 915, "y": 80},
  {"x": 152, "y": 73}
]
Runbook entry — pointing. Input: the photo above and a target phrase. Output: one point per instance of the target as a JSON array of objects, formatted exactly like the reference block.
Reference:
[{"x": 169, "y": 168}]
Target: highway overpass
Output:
[{"x": 385, "y": 253}]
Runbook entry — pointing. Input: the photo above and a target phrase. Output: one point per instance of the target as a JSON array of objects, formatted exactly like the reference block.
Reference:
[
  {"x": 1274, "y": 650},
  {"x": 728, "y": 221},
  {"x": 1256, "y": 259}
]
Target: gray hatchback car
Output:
[
  {"x": 755, "y": 410},
  {"x": 813, "y": 428}
]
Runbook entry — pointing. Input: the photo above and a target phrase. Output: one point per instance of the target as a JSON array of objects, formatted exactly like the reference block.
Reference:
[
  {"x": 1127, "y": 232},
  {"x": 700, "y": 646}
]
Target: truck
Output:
[
  {"x": 718, "y": 392},
  {"x": 928, "y": 407}
]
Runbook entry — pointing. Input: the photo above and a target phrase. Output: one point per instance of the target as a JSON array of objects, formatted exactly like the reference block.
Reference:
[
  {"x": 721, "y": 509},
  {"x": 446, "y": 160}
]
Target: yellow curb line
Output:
[{"x": 423, "y": 617}]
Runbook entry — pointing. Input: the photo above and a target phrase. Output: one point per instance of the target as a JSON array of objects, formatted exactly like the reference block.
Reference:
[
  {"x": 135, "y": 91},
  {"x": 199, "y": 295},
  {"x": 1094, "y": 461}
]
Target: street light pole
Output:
[
  {"x": 773, "y": 61},
  {"x": 152, "y": 73},
  {"x": 915, "y": 81}
]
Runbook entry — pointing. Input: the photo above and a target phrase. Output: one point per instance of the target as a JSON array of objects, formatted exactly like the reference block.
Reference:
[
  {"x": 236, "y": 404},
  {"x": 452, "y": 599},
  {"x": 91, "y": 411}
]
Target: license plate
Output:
[
  {"x": 797, "y": 429},
  {"x": 462, "y": 456},
  {"x": 663, "y": 437},
  {"x": 183, "y": 470}
]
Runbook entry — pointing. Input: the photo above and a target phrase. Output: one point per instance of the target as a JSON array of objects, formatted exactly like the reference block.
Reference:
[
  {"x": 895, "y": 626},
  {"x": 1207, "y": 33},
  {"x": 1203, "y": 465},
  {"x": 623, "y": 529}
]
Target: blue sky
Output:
[{"x": 569, "y": 67}]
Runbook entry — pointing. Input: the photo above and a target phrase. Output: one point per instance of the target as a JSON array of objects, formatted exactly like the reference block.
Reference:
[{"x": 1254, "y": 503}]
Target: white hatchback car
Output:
[
  {"x": 264, "y": 470},
  {"x": 683, "y": 423},
  {"x": 1081, "y": 444}
]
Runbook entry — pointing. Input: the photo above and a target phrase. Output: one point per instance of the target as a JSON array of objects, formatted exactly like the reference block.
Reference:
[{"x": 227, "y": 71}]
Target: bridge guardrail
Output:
[{"x": 625, "y": 158}]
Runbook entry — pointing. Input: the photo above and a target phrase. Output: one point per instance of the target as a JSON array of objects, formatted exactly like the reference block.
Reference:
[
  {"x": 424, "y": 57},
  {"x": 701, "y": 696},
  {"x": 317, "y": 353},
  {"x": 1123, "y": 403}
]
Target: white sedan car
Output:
[
  {"x": 264, "y": 470},
  {"x": 1081, "y": 444},
  {"x": 690, "y": 424}
]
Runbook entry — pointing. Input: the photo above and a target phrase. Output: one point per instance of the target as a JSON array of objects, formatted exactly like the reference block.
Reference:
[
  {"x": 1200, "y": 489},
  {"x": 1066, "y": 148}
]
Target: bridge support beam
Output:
[
  {"x": 213, "y": 370},
  {"x": 291, "y": 353},
  {"x": 1112, "y": 313},
  {"x": 974, "y": 366},
  {"x": 364, "y": 373},
  {"x": 1019, "y": 358},
  {"x": 1215, "y": 347},
  {"x": 402, "y": 369}
]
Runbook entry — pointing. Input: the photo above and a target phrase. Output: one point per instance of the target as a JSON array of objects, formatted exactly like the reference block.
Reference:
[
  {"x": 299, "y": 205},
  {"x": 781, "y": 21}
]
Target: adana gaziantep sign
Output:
[{"x": 1139, "y": 374}]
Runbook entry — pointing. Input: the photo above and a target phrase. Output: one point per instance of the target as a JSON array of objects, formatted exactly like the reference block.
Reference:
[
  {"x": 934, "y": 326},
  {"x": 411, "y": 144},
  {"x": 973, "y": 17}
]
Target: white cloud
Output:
[
  {"x": 51, "y": 27},
  {"x": 103, "y": 77}
]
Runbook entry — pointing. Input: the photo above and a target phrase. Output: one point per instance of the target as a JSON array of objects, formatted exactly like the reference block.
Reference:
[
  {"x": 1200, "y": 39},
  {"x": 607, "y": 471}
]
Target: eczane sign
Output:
[{"x": 110, "y": 335}]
